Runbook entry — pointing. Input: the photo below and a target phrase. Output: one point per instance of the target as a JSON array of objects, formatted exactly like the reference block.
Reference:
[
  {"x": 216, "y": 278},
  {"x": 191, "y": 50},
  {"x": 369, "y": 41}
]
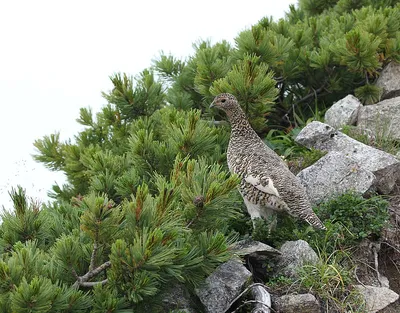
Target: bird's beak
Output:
[{"x": 212, "y": 105}]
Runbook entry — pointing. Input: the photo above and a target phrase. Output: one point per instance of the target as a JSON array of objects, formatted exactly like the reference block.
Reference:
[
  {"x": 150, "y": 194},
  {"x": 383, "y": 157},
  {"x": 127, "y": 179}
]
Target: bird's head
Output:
[{"x": 224, "y": 101}]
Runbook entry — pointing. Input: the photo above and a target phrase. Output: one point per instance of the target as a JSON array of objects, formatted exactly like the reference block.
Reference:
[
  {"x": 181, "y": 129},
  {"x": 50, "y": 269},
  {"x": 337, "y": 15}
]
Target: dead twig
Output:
[
  {"x": 83, "y": 281},
  {"x": 258, "y": 285}
]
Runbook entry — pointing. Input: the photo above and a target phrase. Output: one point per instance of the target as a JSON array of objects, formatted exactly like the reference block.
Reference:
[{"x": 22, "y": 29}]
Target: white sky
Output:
[{"x": 57, "y": 56}]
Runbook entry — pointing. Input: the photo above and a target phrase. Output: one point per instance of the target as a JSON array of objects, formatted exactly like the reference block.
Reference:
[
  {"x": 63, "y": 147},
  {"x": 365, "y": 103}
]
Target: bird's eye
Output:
[{"x": 223, "y": 100}]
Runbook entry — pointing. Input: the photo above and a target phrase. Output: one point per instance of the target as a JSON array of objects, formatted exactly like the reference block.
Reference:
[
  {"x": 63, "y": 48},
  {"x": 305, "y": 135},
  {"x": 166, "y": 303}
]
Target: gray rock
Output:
[
  {"x": 223, "y": 286},
  {"x": 389, "y": 81},
  {"x": 384, "y": 166},
  {"x": 256, "y": 255},
  {"x": 377, "y": 298},
  {"x": 304, "y": 303},
  {"x": 178, "y": 298},
  {"x": 383, "y": 118},
  {"x": 343, "y": 112},
  {"x": 335, "y": 174},
  {"x": 295, "y": 254},
  {"x": 253, "y": 248},
  {"x": 357, "y": 132},
  {"x": 317, "y": 135}
]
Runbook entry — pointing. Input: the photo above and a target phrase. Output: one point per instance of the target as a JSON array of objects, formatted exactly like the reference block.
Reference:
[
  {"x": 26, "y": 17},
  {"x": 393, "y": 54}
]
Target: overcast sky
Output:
[{"x": 57, "y": 56}]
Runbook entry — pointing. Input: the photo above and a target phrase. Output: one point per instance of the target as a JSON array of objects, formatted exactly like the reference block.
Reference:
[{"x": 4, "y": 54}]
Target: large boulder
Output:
[
  {"x": 343, "y": 112},
  {"x": 303, "y": 303},
  {"x": 389, "y": 81},
  {"x": 383, "y": 118},
  {"x": 223, "y": 286},
  {"x": 384, "y": 166},
  {"x": 294, "y": 255},
  {"x": 335, "y": 174},
  {"x": 377, "y": 298}
]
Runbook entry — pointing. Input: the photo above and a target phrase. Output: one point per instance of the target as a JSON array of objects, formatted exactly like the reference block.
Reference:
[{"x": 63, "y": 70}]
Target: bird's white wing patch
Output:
[
  {"x": 267, "y": 188},
  {"x": 253, "y": 209}
]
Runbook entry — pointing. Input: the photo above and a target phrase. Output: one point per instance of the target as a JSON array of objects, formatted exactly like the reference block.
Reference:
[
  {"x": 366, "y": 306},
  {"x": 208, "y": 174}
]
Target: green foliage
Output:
[
  {"x": 358, "y": 51},
  {"x": 133, "y": 248},
  {"x": 107, "y": 300},
  {"x": 368, "y": 94},
  {"x": 100, "y": 219},
  {"x": 51, "y": 154},
  {"x": 349, "y": 218},
  {"x": 148, "y": 199},
  {"x": 306, "y": 159},
  {"x": 284, "y": 143},
  {"x": 255, "y": 89},
  {"x": 360, "y": 217},
  {"x": 297, "y": 157},
  {"x": 41, "y": 295},
  {"x": 381, "y": 139},
  {"x": 132, "y": 102},
  {"x": 204, "y": 190},
  {"x": 131, "y": 152},
  {"x": 25, "y": 223},
  {"x": 315, "y": 7},
  {"x": 331, "y": 280},
  {"x": 321, "y": 52},
  {"x": 212, "y": 64},
  {"x": 27, "y": 284}
]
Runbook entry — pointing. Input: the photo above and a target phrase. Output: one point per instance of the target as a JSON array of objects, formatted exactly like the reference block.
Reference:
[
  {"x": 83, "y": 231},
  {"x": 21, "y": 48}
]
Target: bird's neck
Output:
[{"x": 240, "y": 125}]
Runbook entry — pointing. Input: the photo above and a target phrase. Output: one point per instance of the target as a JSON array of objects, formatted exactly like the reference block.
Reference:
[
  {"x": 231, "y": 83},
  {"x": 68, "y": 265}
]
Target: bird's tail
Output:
[{"x": 315, "y": 222}]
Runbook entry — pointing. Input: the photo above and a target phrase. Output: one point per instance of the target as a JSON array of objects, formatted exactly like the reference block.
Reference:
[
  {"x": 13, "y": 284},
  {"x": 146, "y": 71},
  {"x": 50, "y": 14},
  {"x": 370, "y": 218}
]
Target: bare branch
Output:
[
  {"x": 76, "y": 276},
  {"x": 95, "y": 271},
  {"x": 83, "y": 280},
  {"x": 312, "y": 94},
  {"x": 94, "y": 254},
  {"x": 93, "y": 283}
]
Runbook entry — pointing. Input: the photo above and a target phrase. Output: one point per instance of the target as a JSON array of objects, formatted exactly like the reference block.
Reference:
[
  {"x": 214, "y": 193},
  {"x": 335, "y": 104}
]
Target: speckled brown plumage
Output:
[{"x": 267, "y": 183}]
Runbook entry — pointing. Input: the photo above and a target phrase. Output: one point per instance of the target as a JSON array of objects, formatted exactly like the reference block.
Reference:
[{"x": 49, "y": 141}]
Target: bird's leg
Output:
[
  {"x": 270, "y": 217},
  {"x": 257, "y": 211}
]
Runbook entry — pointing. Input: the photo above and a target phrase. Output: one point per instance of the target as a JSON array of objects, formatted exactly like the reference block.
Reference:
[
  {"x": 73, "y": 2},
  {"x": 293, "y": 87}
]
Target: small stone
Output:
[
  {"x": 304, "y": 303},
  {"x": 253, "y": 248},
  {"x": 294, "y": 255},
  {"x": 377, "y": 298}
]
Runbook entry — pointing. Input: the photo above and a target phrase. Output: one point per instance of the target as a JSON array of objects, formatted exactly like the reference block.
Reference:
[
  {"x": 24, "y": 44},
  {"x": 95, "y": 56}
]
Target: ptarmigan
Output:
[{"x": 266, "y": 182}]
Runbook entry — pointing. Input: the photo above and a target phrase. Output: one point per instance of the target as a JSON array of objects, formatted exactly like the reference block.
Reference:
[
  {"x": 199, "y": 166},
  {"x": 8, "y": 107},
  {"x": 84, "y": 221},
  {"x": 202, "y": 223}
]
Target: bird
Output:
[{"x": 266, "y": 183}]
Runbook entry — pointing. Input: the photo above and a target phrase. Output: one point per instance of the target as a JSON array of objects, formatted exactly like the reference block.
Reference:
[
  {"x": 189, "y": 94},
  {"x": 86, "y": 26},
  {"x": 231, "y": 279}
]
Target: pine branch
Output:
[
  {"x": 93, "y": 283},
  {"x": 94, "y": 253},
  {"x": 83, "y": 280},
  {"x": 96, "y": 271},
  {"x": 74, "y": 273},
  {"x": 312, "y": 94}
]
